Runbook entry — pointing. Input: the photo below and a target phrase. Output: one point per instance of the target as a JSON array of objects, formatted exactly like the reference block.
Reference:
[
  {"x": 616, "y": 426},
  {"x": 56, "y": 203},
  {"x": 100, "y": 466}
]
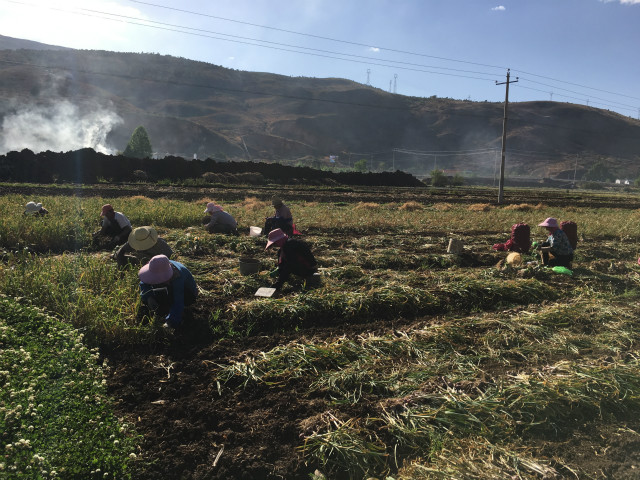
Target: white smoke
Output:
[{"x": 60, "y": 126}]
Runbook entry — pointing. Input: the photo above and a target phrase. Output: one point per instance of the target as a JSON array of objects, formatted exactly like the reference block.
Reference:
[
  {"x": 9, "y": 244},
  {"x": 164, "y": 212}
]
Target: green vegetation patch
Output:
[{"x": 55, "y": 417}]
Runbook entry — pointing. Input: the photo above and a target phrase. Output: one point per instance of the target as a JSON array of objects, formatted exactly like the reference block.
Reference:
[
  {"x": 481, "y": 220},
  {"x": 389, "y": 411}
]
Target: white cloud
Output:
[
  {"x": 374, "y": 49},
  {"x": 499, "y": 8},
  {"x": 630, "y": 2}
]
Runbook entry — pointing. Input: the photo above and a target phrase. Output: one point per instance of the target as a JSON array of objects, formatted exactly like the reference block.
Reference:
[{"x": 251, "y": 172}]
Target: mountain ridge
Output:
[{"x": 211, "y": 111}]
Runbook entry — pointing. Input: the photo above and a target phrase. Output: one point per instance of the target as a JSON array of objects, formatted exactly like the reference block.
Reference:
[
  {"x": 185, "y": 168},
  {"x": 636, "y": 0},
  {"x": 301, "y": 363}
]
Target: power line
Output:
[
  {"x": 294, "y": 97},
  {"x": 267, "y": 44},
  {"x": 316, "y": 36},
  {"x": 581, "y": 99},
  {"x": 577, "y": 93},
  {"x": 321, "y": 53},
  {"x": 577, "y": 85},
  {"x": 371, "y": 45}
]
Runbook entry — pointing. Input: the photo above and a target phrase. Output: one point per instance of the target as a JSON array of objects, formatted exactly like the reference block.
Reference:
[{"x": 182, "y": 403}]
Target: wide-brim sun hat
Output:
[
  {"x": 32, "y": 207},
  {"x": 143, "y": 238},
  {"x": 276, "y": 201},
  {"x": 212, "y": 207},
  {"x": 275, "y": 236},
  {"x": 105, "y": 209},
  {"x": 549, "y": 222},
  {"x": 158, "y": 270}
]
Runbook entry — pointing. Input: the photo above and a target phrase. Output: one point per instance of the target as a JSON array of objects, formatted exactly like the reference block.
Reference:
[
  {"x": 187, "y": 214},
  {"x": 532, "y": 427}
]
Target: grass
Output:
[
  {"x": 55, "y": 415},
  {"x": 471, "y": 367}
]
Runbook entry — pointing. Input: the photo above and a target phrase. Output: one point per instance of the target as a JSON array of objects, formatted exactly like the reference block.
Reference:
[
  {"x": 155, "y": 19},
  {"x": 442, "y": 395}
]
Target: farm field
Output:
[{"x": 407, "y": 363}]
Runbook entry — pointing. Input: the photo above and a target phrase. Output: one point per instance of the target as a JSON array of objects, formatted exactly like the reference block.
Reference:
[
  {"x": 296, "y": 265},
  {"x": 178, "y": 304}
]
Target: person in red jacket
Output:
[{"x": 294, "y": 257}]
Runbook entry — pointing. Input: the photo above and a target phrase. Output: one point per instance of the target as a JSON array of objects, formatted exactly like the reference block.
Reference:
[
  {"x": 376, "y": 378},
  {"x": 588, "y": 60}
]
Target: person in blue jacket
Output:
[{"x": 166, "y": 288}]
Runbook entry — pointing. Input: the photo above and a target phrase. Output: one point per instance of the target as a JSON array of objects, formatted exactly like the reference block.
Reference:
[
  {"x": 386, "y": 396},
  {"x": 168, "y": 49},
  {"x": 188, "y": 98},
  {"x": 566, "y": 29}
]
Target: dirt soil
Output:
[
  {"x": 193, "y": 430},
  {"x": 170, "y": 395}
]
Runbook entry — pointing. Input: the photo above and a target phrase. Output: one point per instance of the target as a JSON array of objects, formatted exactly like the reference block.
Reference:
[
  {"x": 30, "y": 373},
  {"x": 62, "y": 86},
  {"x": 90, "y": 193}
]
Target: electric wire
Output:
[
  {"x": 513, "y": 119},
  {"x": 319, "y": 36},
  {"x": 322, "y": 53},
  {"x": 376, "y": 46}
]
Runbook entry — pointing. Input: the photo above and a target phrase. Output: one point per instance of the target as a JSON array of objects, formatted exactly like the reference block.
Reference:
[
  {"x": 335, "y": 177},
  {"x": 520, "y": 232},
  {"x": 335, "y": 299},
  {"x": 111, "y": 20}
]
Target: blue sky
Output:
[{"x": 577, "y": 51}]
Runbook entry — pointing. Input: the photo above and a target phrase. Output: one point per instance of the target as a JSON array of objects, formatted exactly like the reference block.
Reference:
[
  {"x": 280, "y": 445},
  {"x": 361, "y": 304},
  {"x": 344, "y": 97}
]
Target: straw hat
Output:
[
  {"x": 275, "y": 236},
  {"x": 106, "y": 209},
  {"x": 143, "y": 238},
  {"x": 32, "y": 207},
  {"x": 549, "y": 222},
  {"x": 158, "y": 270},
  {"x": 212, "y": 207},
  {"x": 276, "y": 201}
]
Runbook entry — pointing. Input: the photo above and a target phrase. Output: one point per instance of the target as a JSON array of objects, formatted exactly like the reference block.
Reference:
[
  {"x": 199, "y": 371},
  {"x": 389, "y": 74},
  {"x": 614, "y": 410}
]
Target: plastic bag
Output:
[{"x": 562, "y": 270}]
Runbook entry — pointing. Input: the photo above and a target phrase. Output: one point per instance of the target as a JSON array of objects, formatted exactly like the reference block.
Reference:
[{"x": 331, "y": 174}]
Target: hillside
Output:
[{"x": 191, "y": 107}]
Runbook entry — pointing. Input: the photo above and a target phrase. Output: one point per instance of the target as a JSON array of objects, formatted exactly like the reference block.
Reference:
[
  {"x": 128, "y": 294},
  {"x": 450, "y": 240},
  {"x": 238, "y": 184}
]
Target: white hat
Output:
[
  {"x": 143, "y": 238},
  {"x": 32, "y": 207}
]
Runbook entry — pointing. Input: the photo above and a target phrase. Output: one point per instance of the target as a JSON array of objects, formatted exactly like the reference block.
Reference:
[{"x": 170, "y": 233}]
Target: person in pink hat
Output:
[
  {"x": 219, "y": 221},
  {"x": 556, "y": 249},
  {"x": 294, "y": 257},
  {"x": 115, "y": 229},
  {"x": 166, "y": 288}
]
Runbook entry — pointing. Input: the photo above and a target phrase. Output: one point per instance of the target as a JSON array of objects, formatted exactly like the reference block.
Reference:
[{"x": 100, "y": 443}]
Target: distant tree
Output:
[
  {"x": 139, "y": 145},
  {"x": 438, "y": 178},
  {"x": 598, "y": 172},
  {"x": 457, "y": 180},
  {"x": 361, "y": 165}
]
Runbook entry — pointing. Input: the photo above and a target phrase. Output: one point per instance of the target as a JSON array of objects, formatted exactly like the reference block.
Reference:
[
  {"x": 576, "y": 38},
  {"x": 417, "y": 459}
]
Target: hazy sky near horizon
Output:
[{"x": 577, "y": 51}]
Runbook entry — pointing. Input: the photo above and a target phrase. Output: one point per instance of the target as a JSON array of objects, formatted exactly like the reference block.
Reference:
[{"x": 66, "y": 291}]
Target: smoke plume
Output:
[{"x": 58, "y": 126}]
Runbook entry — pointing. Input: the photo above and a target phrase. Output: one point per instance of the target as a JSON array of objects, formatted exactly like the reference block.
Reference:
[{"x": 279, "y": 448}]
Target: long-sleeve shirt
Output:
[
  {"x": 559, "y": 243},
  {"x": 222, "y": 218},
  {"x": 120, "y": 221},
  {"x": 181, "y": 281},
  {"x": 283, "y": 212},
  {"x": 295, "y": 257}
]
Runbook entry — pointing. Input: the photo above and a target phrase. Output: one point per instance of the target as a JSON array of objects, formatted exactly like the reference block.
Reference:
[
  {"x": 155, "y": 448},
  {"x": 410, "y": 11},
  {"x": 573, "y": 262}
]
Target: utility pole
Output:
[
  {"x": 504, "y": 134},
  {"x": 575, "y": 169}
]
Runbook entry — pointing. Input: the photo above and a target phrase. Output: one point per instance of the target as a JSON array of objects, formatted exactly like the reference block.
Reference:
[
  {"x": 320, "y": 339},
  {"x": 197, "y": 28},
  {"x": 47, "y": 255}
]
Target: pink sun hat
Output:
[
  {"x": 549, "y": 222},
  {"x": 275, "y": 236},
  {"x": 212, "y": 207},
  {"x": 158, "y": 270}
]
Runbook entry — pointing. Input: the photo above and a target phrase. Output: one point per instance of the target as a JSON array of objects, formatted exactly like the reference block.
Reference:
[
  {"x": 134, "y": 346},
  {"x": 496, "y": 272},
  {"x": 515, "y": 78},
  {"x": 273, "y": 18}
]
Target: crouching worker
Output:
[
  {"x": 35, "y": 209},
  {"x": 142, "y": 245},
  {"x": 520, "y": 240},
  {"x": 282, "y": 218},
  {"x": 556, "y": 249},
  {"x": 166, "y": 288},
  {"x": 115, "y": 229},
  {"x": 294, "y": 257},
  {"x": 219, "y": 221}
]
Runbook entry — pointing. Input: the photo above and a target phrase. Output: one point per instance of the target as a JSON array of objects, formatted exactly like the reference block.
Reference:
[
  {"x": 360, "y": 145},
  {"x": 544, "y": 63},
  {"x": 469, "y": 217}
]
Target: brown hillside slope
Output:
[{"x": 195, "y": 107}]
